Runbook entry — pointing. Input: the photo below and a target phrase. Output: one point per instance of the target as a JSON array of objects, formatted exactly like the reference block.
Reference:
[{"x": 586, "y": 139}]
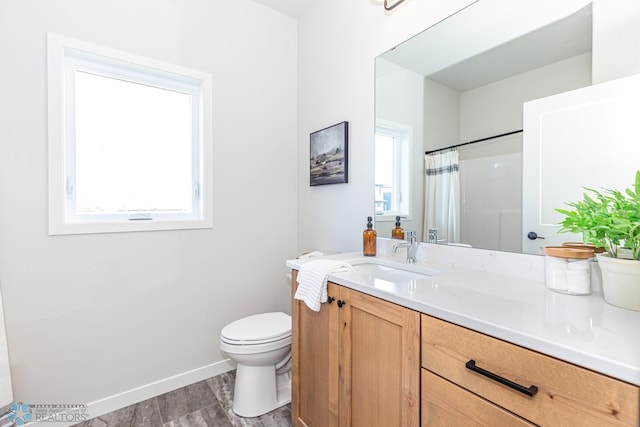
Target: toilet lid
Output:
[{"x": 259, "y": 328}]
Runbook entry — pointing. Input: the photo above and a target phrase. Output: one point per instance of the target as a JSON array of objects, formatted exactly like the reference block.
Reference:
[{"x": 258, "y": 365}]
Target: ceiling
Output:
[
  {"x": 293, "y": 8},
  {"x": 455, "y": 56}
]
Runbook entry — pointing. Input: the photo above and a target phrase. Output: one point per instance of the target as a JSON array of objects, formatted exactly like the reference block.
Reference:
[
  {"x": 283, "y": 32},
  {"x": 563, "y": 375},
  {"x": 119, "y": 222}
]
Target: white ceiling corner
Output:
[{"x": 293, "y": 8}]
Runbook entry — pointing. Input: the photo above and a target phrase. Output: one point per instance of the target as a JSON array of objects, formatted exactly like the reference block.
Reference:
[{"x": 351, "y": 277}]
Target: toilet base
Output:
[{"x": 259, "y": 390}]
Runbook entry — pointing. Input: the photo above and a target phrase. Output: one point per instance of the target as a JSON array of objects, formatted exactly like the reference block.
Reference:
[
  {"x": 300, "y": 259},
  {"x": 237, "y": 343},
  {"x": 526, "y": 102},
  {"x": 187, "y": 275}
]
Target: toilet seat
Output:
[
  {"x": 258, "y": 329},
  {"x": 239, "y": 348}
]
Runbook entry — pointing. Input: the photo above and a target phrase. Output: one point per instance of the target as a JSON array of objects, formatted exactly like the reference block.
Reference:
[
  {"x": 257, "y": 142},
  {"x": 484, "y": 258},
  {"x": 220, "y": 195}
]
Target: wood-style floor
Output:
[{"x": 206, "y": 403}]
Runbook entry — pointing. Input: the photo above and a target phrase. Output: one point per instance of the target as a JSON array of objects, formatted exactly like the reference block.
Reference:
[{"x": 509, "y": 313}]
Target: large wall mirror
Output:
[{"x": 464, "y": 83}]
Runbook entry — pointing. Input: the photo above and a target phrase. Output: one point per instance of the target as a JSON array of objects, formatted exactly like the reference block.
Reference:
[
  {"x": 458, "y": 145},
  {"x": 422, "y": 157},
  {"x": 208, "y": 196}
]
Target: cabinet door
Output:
[
  {"x": 379, "y": 368},
  {"x": 314, "y": 350}
]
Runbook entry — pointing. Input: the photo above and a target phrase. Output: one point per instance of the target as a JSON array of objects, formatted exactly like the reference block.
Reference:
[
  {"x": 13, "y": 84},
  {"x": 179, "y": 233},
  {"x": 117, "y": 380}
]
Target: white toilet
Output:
[{"x": 261, "y": 347}]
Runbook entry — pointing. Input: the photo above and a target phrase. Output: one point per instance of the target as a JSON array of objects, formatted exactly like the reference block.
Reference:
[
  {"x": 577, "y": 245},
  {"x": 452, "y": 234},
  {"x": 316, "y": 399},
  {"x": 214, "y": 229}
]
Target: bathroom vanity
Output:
[{"x": 438, "y": 344}]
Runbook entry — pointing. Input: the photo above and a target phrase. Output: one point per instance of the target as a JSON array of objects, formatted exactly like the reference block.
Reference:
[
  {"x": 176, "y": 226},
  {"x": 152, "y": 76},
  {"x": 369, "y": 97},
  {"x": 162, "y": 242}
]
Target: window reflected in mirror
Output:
[{"x": 392, "y": 170}]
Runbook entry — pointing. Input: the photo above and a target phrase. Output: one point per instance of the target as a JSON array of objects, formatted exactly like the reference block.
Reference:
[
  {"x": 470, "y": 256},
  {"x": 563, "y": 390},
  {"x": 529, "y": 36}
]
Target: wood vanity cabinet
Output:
[
  {"x": 356, "y": 362},
  {"x": 453, "y": 393},
  {"x": 363, "y": 361}
]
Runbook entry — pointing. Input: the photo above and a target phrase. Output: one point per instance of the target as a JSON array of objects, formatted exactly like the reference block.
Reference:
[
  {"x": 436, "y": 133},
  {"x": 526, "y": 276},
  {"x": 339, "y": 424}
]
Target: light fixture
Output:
[{"x": 393, "y": 5}]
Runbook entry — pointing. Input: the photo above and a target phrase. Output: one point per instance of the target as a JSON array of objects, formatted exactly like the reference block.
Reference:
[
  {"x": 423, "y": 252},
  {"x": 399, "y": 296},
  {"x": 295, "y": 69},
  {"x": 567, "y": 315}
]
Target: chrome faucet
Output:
[{"x": 411, "y": 244}]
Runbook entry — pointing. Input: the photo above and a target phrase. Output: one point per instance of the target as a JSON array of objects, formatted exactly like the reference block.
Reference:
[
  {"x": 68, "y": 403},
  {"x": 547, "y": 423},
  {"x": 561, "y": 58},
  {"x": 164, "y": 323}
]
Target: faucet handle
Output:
[
  {"x": 411, "y": 236},
  {"x": 433, "y": 235}
]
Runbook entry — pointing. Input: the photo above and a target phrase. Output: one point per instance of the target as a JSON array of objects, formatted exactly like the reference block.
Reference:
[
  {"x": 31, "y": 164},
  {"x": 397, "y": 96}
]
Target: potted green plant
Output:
[{"x": 611, "y": 219}]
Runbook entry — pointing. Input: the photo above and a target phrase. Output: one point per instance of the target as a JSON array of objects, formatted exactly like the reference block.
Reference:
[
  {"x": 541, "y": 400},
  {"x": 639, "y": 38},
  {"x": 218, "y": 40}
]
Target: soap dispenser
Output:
[
  {"x": 397, "y": 232},
  {"x": 369, "y": 239}
]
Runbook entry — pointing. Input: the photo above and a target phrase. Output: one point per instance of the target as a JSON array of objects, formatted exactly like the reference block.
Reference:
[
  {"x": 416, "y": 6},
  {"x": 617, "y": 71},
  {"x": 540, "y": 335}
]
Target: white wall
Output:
[
  {"x": 90, "y": 316},
  {"x": 616, "y": 49},
  {"x": 338, "y": 42},
  {"x": 497, "y": 107},
  {"x": 441, "y": 116}
]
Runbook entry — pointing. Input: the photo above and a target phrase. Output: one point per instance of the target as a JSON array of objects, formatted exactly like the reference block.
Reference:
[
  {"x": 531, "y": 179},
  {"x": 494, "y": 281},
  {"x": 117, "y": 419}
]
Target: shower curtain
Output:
[{"x": 442, "y": 197}]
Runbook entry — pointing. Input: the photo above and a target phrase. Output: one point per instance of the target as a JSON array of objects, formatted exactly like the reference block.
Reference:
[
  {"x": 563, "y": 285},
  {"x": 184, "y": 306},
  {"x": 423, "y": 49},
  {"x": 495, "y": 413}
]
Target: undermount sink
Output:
[{"x": 391, "y": 275}]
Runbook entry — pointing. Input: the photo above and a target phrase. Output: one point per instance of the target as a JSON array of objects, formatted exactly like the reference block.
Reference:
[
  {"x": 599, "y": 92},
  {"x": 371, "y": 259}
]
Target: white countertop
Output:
[{"x": 468, "y": 288}]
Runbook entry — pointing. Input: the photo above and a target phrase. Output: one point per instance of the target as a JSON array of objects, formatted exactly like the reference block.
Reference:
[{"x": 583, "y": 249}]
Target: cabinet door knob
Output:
[
  {"x": 341, "y": 302},
  {"x": 330, "y": 299},
  {"x": 531, "y": 391}
]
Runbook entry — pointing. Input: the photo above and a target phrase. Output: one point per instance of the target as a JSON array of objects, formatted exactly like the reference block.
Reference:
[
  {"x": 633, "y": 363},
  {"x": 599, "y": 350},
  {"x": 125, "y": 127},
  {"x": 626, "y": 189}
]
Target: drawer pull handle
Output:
[{"x": 531, "y": 391}]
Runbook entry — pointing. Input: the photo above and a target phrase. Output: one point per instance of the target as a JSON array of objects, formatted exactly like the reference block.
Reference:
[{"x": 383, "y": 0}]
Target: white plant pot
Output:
[{"x": 620, "y": 281}]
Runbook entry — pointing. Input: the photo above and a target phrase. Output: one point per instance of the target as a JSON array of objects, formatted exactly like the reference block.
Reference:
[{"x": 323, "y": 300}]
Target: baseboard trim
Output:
[{"x": 147, "y": 391}]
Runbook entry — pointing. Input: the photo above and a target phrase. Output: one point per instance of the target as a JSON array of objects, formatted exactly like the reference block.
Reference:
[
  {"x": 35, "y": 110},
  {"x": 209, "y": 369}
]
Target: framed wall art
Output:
[{"x": 329, "y": 155}]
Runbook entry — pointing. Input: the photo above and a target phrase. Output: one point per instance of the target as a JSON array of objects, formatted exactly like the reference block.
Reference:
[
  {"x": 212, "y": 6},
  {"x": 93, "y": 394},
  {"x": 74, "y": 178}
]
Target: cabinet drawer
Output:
[
  {"x": 445, "y": 404},
  {"x": 566, "y": 394}
]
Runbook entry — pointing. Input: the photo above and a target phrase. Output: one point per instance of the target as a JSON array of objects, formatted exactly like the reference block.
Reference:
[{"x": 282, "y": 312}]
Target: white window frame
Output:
[
  {"x": 66, "y": 56},
  {"x": 402, "y": 169}
]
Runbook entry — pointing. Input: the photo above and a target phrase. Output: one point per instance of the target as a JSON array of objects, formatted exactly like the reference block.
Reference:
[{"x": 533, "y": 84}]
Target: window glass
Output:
[
  {"x": 133, "y": 147},
  {"x": 384, "y": 173},
  {"x": 128, "y": 140}
]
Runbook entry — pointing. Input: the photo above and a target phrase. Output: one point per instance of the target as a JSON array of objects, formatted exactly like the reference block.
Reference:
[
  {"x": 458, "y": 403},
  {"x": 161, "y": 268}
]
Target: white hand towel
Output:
[{"x": 312, "y": 280}]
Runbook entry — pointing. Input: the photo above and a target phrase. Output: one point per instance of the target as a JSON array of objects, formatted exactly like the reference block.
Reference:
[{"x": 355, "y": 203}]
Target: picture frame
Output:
[{"x": 329, "y": 155}]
